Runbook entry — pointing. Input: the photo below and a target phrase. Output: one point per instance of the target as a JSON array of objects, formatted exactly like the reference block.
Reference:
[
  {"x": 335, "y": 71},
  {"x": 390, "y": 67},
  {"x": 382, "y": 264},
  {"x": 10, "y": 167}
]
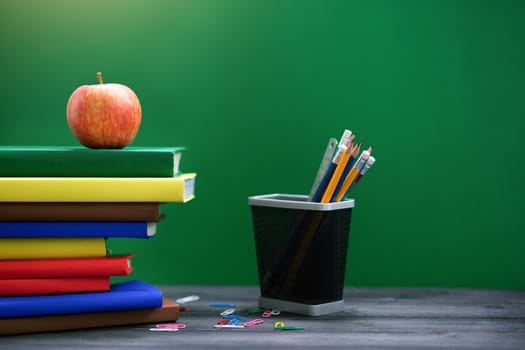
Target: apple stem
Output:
[{"x": 99, "y": 77}]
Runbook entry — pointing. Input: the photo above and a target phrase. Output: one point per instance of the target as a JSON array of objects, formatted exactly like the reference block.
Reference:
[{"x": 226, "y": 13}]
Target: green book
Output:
[{"x": 78, "y": 161}]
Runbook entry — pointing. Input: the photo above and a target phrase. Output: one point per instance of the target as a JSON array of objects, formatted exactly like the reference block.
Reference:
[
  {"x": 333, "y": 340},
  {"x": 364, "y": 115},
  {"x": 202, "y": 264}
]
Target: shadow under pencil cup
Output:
[{"x": 301, "y": 249}]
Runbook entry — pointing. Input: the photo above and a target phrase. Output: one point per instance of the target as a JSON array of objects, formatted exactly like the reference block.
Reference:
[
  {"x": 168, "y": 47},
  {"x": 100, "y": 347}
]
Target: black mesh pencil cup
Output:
[{"x": 301, "y": 249}]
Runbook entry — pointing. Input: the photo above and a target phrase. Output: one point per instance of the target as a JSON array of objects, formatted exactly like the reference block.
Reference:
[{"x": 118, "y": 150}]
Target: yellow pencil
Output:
[
  {"x": 334, "y": 180},
  {"x": 353, "y": 174}
]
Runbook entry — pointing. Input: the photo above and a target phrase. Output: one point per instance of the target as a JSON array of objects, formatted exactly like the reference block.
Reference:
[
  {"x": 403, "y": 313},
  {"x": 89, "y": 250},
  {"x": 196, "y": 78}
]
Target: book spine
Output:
[
  {"x": 71, "y": 267},
  {"x": 98, "y": 211},
  {"x": 76, "y": 229},
  {"x": 123, "y": 296},
  {"x": 36, "y": 286},
  {"x": 70, "y": 189},
  {"x": 79, "y": 162},
  {"x": 169, "y": 312},
  {"x": 48, "y": 248}
]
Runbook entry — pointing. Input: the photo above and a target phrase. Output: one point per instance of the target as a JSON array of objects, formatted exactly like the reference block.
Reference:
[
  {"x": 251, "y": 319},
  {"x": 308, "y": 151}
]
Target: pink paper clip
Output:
[
  {"x": 267, "y": 314},
  {"x": 270, "y": 313},
  {"x": 252, "y": 323},
  {"x": 171, "y": 325}
]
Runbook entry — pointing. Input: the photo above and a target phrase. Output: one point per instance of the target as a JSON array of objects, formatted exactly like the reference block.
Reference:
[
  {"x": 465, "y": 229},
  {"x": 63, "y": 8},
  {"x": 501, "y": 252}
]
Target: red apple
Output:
[{"x": 104, "y": 115}]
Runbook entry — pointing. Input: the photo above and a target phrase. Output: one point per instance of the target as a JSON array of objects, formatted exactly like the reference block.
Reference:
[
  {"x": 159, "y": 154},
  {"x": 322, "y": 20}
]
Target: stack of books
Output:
[{"x": 59, "y": 206}]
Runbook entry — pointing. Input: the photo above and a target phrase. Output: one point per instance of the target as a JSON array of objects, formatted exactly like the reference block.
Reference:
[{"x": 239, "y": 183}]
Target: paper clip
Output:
[
  {"x": 270, "y": 313},
  {"x": 252, "y": 323},
  {"x": 187, "y": 299},
  {"x": 225, "y": 323},
  {"x": 171, "y": 325},
  {"x": 267, "y": 313},
  {"x": 221, "y": 304},
  {"x": 164, "y": 329},
  {"x": 278, "y": 325},
  {"x": 291, "y": 328},
  {"x": 256, "y": 311},
  {"x": 236, "y": 317},
  {"x": 227, "y": 312},
  {"x": 221, "y": 323}
]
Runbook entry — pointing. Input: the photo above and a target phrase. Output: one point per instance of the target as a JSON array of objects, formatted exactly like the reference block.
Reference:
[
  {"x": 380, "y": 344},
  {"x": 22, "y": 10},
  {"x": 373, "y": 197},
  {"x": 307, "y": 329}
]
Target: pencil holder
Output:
[{"x": 301, "y": 249}]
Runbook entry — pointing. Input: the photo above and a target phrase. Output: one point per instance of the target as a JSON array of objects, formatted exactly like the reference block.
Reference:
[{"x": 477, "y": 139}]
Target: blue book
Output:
[
  {"x": 85, "y": 229},
  {"x": 122, "y": 296}
]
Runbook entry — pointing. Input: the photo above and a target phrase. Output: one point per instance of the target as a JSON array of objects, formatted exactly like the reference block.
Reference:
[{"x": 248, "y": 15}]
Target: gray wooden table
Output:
[{"x": 383, "y": 318}]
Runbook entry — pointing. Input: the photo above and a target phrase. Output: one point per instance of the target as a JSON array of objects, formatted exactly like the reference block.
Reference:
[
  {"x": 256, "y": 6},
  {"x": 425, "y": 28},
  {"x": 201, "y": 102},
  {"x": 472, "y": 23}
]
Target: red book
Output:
[
  {"x": 70, "y": 267},
  {"x": 37, "y": 286}
]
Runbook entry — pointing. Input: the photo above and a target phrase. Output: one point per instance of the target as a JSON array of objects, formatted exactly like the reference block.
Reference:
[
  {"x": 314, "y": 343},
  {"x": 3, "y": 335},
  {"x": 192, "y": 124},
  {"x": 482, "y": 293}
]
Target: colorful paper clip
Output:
[
  {"x": 278, "y": 324},
  {"x": 221, "y": 304},
  {"x": 227, "y": 312},
  {"x": 270, "y": 313},
  {"x": 236, "y": 317},
  {"x": 164, "y": 329},
  {"x": 252, "y": 323},
  {"x": 171, "y": 325},
  {"x": 187, "y": 299},
  {"x": 291, "y": 328},
  {"x": 225, "y": 323},
  {"x": 256, "y": 311}
]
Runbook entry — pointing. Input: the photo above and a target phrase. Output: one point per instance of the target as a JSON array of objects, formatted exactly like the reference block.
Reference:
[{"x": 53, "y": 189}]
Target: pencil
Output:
[
  {"x": 363, "y": 158},
  {"x": 328, "y": 193},
  {"x": 368, "y": 165},
  {"x": 354, "y": 151}
]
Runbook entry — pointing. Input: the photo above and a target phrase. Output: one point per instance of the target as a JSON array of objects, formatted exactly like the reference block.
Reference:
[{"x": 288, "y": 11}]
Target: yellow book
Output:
[
  {"x": 47, "y": 248},
  {"x": 98, "y": 189}
]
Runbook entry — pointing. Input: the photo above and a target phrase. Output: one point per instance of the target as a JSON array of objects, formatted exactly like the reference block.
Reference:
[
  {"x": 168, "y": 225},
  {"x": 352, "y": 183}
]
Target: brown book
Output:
[
  {"x": 169, "y": 312},
  {"x": 81, "y": 211}
]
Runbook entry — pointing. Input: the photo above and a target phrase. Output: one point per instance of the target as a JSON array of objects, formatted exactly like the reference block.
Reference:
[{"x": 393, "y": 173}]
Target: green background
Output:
[{"x": 254, "y": 90}]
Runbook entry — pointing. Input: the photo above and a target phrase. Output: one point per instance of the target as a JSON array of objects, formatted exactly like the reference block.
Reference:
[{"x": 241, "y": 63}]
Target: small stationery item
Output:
[
  {"x": 364, "y": 170},
  {"x": 359, "y": 164},
  {"x": 80, "y": 211},
  {"x": 342, "y": 147},
  {"x": 325, "y": 164},
  {"x": 68, "y": 267},
  {"x": 67, "y": 161},
  {"x": 187, "y": 299},
  {"x": 168, "y": 312},
  {"x": 343, "y": 172},
  {"x": 98, "y": 189},
  {"x": 51, "y": 248},
  {"x": 122, "y": 296},
  {"x": 38, "y": 286},
  {"x": 57, "y": 229}
]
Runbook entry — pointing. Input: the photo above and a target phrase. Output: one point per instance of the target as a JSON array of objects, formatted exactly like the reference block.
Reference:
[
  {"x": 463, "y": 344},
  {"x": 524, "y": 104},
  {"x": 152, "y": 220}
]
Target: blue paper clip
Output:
[{"x": 221, "y": 304}]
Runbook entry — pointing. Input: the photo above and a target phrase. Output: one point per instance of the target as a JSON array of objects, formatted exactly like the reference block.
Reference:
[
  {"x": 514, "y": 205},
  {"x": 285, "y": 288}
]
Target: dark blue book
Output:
[
  {"x": 128, "y": 295},
  {"x": 86, "y": 229}
]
